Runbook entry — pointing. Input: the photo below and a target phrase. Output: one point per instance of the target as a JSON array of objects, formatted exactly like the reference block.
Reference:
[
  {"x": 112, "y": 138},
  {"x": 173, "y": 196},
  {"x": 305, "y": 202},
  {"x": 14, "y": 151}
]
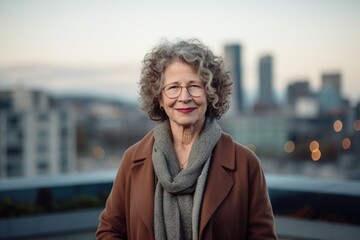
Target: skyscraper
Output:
[
  {"x": 296, "y": 90},
  {"x": 265, "y": 71},
  {"x": 330, "y": 98},
  {"x": 234, "y": 64},
  {"x": 301, "y": 100}
]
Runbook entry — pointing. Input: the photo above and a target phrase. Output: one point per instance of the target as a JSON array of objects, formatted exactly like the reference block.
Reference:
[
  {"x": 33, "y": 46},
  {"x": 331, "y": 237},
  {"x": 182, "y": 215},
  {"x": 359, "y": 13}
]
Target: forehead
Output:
[{"x": 179, "y": 72}]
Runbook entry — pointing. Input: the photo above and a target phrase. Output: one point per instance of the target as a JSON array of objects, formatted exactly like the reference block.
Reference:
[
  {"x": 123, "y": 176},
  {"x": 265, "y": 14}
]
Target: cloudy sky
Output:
[{"x": 96, "y": 47}]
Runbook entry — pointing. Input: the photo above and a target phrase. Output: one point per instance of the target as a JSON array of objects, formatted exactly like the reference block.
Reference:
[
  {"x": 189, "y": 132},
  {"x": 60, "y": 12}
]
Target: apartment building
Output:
[{"x": 36, "y": 136}]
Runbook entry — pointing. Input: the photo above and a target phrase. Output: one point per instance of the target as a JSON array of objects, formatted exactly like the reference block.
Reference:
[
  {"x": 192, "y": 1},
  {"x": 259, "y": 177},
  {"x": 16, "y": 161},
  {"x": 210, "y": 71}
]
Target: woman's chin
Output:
[{"x": 188, "y": 123}]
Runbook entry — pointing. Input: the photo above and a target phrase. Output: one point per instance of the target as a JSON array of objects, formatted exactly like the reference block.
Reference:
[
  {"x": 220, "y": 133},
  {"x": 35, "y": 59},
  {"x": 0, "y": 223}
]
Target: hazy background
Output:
[
  {"x": 68, "y": 88},
  {"x": 96, "y": 47}
]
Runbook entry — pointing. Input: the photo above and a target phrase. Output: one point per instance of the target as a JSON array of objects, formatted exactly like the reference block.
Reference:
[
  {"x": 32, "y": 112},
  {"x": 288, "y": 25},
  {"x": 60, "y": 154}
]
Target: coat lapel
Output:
[
  {"x": 143, "y": 178},
  {"x": 220, "y": 180}
]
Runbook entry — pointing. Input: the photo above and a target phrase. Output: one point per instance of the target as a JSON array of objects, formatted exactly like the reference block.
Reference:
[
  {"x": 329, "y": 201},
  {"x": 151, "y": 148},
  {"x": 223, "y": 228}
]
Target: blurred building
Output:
[
  {"x": 36, "y": 137},
  {"x": 264, "y": 133},
  {"x": 233, "y": 62},
  {"x": 300, "y": 99},
  {"x": 105, "y": 129},
  {"x": 330, "y": 98},
  {"x": 296, "y": 90},
  {"x": 266, "y": 100}
]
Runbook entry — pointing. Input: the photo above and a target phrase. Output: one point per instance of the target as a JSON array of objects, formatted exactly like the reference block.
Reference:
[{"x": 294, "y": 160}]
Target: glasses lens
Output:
[
  {"x": 172, "y": 91},
  {"x": 195, "y": 90}
]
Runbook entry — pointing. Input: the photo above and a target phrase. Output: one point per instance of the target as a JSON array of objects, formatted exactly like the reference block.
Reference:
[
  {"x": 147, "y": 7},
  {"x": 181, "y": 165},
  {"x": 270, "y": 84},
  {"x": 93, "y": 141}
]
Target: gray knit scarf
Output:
[{"x": 178, "y": 194}]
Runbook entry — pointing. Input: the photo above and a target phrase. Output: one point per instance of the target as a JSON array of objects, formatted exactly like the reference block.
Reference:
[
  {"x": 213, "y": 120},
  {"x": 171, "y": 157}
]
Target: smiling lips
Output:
[{"x": 185, "y": 110}]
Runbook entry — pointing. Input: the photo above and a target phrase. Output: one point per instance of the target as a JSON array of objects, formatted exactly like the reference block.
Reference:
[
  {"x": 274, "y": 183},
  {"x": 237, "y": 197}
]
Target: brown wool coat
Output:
[{"x": 235, "y": 206}]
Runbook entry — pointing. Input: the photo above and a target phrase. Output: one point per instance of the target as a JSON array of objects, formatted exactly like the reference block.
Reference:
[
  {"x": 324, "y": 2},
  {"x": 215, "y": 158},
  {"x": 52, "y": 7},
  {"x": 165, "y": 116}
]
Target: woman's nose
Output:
[{"x": 184, "y": 95}]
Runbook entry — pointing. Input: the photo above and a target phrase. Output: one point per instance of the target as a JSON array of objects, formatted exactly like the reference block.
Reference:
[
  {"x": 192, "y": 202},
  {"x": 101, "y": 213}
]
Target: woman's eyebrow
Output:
[{"x": 187, "y": 82}]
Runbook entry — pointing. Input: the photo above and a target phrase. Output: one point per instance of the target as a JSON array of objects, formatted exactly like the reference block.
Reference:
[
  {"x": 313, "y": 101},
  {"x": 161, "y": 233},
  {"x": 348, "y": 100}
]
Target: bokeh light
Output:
[
  {"x": 357, "y": 125},
  {"x": 314, "y": 146},
  {"x": 98, "y": 152},
  {"x": 346, "y": 143},
  {"x": 289, "y": 146},
  {"x": 316, "y": 155},
  {"x": 338, "y": 126}
]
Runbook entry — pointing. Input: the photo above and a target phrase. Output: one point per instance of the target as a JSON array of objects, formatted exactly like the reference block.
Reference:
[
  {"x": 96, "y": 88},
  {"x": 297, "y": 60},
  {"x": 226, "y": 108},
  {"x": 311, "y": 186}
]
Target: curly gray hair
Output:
[{"x": 211, "y": 69}]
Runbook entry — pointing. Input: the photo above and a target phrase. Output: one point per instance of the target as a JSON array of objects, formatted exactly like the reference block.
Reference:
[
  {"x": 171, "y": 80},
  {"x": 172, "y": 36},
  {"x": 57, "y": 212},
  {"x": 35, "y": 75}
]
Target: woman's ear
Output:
[{"x": 161, "y": 102}]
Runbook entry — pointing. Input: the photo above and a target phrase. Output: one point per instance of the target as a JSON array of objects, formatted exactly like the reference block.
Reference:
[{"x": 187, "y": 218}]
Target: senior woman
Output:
[{"x": 186, "y": 179}]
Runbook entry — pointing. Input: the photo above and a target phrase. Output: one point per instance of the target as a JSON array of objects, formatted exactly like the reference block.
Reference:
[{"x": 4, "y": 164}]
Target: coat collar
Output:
[{"x": 219, "y": 182}]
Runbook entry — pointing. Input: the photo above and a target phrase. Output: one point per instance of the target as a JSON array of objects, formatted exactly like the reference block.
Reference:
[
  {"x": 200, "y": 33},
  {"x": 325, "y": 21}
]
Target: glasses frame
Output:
[{"x": 187, "y": 89}]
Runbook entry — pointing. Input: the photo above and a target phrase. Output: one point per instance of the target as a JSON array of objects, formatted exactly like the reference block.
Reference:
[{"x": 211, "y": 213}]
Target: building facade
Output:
[
  {"x": 36, "y": 137},
  {"x": 233, "y": 60},
  {"x": 266, "y": 98},
  {"x": 330, "y": 98},
  {"x": 300, "y": 100},
  {"x": 296, "y": 90}
]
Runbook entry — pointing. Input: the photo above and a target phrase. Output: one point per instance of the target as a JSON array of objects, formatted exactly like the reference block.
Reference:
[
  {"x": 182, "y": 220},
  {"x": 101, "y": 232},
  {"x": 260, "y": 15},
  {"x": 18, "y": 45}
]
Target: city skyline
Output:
[{"x": 87, "y": 47}]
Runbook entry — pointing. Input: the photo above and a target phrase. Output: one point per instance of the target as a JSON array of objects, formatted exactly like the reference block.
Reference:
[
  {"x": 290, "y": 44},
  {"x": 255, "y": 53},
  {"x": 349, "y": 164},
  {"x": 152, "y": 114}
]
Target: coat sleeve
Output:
[
  {"x": 261, "y": 219},
  {"x": 112, "y": 220}
]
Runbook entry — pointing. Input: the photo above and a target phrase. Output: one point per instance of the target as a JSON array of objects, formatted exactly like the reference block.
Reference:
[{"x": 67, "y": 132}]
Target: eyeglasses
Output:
[{"x": 173, "y": 90}]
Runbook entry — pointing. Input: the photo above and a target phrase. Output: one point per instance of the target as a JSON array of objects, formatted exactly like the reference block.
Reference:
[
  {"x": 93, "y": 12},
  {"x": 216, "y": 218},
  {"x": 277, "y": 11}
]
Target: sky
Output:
[{"x": 96, "y": 47}]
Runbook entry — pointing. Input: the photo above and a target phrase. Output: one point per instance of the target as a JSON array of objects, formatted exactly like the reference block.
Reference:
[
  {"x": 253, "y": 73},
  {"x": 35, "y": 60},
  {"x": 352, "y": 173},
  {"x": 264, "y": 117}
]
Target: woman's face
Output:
[{"x": 184, "y": 110}]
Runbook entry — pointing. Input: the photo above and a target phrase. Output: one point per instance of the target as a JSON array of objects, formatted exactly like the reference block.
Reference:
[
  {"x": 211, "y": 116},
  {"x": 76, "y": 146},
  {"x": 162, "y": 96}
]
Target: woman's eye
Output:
[
  {"x": 195, "y": 86},
  {"x": 173, "y": 87}
]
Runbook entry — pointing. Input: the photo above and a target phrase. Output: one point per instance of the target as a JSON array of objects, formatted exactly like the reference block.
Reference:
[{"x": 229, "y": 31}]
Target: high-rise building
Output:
[
  {"x": 296, "y": 90},
  {"x": 301, "y": 100},
  {"x": 330, "y": 98},
  {"x": 266, "y": 96},
  {"x": 36, "y": 138},
  {"x": 233, "y": 62}
]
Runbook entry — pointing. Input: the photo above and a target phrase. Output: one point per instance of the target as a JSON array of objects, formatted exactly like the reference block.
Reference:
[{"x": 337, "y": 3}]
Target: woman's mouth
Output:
[{"x": 185, "y": 110}]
